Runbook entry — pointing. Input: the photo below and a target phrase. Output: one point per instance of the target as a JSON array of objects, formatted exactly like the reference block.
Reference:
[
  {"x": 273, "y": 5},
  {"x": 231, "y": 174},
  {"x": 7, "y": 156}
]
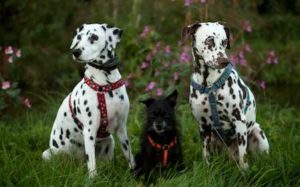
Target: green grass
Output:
[{"x": 24, "y": 139}]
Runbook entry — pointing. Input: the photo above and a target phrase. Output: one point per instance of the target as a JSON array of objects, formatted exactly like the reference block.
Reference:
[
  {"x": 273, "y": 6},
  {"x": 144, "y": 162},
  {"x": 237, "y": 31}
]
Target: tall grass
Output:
[{"x": 24, "y": 139}]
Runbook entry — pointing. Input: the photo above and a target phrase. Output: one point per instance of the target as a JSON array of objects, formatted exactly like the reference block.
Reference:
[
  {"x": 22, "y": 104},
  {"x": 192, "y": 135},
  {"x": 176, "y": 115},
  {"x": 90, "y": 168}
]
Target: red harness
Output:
[
  {"x": 101, "y": 90},
  {"x": 165, "y": 148}
]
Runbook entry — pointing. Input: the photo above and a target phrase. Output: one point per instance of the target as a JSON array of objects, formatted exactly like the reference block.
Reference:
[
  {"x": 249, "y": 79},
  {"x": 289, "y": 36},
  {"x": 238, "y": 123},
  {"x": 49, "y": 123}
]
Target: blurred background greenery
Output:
[{"x": 265, "y": 44}]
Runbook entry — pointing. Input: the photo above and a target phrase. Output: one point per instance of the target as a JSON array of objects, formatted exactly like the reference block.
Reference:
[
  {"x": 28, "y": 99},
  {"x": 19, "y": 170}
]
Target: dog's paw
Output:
[
  {"x": 92, "y": 174},
  {"x": 244, "y": 166}
]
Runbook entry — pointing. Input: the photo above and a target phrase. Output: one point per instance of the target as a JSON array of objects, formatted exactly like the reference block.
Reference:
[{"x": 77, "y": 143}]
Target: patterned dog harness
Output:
[
  {"x": 212, "y": 98},
  {"x": 165, "y": 148},
  {"x": 101, "y": 90}
]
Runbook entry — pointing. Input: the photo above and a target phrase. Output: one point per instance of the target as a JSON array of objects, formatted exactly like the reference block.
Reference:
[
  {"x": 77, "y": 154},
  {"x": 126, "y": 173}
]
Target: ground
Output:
[{"x": 24, "y": 139}]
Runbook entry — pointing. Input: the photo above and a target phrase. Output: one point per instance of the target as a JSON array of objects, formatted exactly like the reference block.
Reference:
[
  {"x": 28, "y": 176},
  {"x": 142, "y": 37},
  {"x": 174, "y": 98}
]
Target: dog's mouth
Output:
[{"x": 159, "y": 127}]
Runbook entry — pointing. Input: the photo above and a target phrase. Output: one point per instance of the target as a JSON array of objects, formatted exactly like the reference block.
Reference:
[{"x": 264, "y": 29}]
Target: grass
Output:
[{"x": 25, "y": 138}]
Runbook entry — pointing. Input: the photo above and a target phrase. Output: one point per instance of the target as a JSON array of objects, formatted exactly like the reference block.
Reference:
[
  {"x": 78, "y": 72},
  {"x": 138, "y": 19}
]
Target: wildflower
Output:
[
  {"x": 144, "y": 65},
  {"x": 26, "y": 102},
  {"x": 18, "y": 53},
  {"x": 146, "y": 31},
  {"x": 167, "y": 49},
  {"x": 150, "y": 86},
  {"x": 272, "y": 58},
  {"x": 262, "y": 84},
  {"x": 241, "y": 58},
  {"x": 175, "y": 76},
  {"x": 202, "y": 1},
  {"x": 185, "y": 56},
  {"x": 187, "y": 3},
  {"x": 5, "y": 85},
  {"x": 247, "y": 26},
  {"x": 10, "y": 59},
  {"x": 9, "y": 50},
  {"x": 159, "y": 92},
  {"x": 247, "y": 48}
]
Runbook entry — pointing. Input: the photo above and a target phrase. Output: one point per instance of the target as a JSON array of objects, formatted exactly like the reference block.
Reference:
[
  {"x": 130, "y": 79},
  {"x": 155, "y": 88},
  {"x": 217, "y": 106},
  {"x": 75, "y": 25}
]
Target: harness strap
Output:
[
  {"x": 101, "y": 90},
  {"x": 165, "y": 148},
  {"x": 212, "y": 98},
  {"x": 211, "y": 95}
]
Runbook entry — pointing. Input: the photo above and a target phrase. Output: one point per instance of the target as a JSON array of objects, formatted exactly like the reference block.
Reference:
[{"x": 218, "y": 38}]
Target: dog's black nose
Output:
[{"x": 77, "y": 53}]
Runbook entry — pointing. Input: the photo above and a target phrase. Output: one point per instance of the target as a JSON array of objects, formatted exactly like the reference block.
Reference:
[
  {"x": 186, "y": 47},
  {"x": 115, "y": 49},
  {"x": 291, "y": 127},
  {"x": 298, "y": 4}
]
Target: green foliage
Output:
[{"x": 24, "y": 140}]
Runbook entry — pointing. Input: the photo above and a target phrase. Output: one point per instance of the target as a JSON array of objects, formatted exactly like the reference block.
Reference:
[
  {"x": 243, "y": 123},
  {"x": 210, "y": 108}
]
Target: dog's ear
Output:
[
  {"x": 148, "y": 101},
  {"x": 187, "y": 31},
  {"x": 227, "y": 31},
  {"x": 172, "y": 98},
  {"x": 113, "y": 35}
]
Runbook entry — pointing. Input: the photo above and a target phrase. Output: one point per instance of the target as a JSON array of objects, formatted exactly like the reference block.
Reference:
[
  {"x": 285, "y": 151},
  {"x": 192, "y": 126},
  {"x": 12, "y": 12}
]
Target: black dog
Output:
[{"x": 160, "y": 141}]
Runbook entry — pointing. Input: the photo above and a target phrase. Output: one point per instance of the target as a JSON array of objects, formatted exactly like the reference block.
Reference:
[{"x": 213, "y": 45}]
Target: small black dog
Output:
[{"x": 160, "y": 141}]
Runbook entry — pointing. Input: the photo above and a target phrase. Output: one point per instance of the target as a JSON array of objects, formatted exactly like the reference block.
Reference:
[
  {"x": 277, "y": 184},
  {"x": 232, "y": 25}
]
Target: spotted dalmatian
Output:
[
  {"x": 209, "y": 42},
  {"x": 93, "y": 45}
]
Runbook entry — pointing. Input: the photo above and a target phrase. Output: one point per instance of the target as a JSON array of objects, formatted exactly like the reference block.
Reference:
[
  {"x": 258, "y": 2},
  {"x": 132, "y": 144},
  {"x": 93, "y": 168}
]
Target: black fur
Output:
[{"x": 159, "y": 110}]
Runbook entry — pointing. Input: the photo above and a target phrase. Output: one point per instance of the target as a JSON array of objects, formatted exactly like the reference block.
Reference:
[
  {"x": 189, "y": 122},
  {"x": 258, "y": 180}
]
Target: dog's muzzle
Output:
[
  {"x": 223, "y": 62},
  {"x": 76, "y": 53}
]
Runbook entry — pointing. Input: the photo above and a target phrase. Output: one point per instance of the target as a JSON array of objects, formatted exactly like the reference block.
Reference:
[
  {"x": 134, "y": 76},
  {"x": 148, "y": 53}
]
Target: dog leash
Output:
[
  {"x": 101, "y": 90},
  {"x": 165, "y": 148}
]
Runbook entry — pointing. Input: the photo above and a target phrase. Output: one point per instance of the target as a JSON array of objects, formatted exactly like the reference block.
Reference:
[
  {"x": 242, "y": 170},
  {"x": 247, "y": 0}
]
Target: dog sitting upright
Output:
[
  {"x": 221, "y": 102},
  {"x": 160, "y": 141},
  {"x": 98, "y": 105}
]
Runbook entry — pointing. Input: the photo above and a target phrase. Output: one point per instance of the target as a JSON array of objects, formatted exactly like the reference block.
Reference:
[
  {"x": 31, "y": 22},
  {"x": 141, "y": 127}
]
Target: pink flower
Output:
[
  {"x": 10, "y": 59},
  {"x": 272, "y": 58},
  {"x": 175, "y": 76},
  {"x": 185, "y": 56},
  {"x": 187, "y": 2},
  {"x": 167, "y": 49},
  {"x": 150, "y": 86},
  {"x": 146, "y": 31},
  {"x": 5, "y": 85},
  {"x": 26, "y": 102},
  {"x": 242, "y": 61},
  {"x": 202, "y": 1},
  {"x": 18, "y": 53},
  {"x": 144, "y": 65},
  {"x": 9, "y": 50},
  {"x": 247, "y": 26},
  {"x": 159, "y": 92},
  {"x": 262, "y": 84},
  {"x": 247, "y": 48}
]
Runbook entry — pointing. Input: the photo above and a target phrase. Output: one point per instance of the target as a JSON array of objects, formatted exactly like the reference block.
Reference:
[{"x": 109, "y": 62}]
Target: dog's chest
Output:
[{"x": 228, "y": 98}]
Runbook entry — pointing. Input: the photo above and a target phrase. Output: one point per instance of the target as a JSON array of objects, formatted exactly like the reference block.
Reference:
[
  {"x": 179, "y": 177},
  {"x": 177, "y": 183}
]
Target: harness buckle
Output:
[{"x": 165, "y": 147}]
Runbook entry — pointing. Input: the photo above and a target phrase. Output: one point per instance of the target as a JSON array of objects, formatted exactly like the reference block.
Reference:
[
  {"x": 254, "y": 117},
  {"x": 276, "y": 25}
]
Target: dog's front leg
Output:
[
  {"x": 241, "y": 131},
  {"x": 205, "y": 135},
  {"x": 89, "y": 144}
]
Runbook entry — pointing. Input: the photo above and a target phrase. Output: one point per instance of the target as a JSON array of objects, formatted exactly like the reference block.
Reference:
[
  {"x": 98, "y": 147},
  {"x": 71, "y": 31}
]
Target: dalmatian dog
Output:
[
  {"x": 80, "y": 119},
  {"x": 235, "y": 103}
]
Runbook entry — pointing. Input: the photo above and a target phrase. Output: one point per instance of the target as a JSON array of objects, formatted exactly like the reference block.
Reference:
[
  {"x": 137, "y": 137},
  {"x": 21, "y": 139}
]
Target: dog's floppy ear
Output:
[
  {"x": 187, "y": 31},
  {"x": 227, "y": 31},
  {"x": 112, "y": 35},
  {"x": 148, "y": 101},
  {"x": 172, "y": 98}
]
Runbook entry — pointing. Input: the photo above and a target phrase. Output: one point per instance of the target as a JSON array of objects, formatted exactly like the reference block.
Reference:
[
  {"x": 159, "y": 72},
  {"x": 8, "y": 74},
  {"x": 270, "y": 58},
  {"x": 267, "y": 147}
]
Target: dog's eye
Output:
[{"x": 209, "y": 41}]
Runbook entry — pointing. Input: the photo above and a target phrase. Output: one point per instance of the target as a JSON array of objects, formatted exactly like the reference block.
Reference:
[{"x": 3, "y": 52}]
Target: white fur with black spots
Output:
[
  {"x": 209, "y": 43},
  {"x": 94, "y": 45}
]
